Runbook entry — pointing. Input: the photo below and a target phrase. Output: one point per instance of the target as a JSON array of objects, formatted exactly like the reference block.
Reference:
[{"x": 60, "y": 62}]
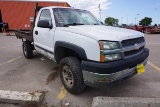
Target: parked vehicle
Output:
[
  {"x": 140, "y": 29},
  {"x": 88, "y": 53},
  {"x": 153, "y": 29},
  {"x": 3, "y": 25}
]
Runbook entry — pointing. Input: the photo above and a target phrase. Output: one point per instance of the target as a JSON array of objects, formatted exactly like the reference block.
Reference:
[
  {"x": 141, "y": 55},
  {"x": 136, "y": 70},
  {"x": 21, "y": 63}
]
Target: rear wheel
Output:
[
  {"x": 27, "y": 49},
  {"x": 71, "y": 75}
]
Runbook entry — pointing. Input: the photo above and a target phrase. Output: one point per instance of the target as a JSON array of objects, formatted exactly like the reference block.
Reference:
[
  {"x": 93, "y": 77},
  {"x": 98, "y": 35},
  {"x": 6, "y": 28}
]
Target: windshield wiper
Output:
[{"x": 73, "y": 24}]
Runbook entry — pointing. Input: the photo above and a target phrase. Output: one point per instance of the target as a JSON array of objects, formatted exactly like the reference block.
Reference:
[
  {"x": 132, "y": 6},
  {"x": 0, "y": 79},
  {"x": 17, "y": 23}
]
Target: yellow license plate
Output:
[{"x": 140, "y": 69}]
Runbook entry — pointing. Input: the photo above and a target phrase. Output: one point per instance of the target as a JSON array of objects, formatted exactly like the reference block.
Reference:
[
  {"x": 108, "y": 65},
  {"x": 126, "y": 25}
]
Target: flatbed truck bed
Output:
[{"x": 26, "y": 34}]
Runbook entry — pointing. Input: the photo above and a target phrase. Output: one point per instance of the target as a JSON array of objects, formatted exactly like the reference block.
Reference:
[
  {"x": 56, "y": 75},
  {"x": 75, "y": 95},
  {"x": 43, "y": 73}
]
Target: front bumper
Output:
[{"x": 120, "y": 70}]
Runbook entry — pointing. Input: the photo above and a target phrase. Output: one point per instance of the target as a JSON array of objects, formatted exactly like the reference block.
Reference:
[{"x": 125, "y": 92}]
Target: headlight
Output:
[
  {"x": 112, "y": 57},
  {"x": 106, "y": 45}
]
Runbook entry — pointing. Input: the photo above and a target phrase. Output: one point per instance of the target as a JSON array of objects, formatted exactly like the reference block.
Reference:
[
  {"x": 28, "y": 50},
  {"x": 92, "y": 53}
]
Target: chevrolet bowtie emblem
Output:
[{"x": 137, "y": 46}]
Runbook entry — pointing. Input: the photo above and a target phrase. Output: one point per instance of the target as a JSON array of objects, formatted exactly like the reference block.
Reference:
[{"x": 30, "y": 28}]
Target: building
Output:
[{"x": 17, "y": 13}]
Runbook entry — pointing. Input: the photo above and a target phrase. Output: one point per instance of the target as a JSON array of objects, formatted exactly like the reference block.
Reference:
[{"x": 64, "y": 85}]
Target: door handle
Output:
[{"x": 36, "y": 32}]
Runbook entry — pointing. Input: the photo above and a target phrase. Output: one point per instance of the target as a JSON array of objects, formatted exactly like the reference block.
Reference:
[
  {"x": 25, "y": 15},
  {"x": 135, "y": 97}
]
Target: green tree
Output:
[
  {"x": 146, "y": 21},
  {"x": 111, "y": 21}
]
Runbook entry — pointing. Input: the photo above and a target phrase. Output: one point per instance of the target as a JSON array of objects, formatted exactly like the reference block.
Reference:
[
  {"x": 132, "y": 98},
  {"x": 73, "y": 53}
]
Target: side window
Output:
[{"x": 46, "y": 15}]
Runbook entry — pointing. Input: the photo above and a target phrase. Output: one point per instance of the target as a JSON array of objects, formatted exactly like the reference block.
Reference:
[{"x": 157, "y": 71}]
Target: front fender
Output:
[{"x": 79, "y": 50}]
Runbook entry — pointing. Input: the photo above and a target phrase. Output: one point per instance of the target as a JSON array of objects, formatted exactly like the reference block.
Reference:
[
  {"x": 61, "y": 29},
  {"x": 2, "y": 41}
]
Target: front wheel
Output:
[{"x": 71, "y": 75}]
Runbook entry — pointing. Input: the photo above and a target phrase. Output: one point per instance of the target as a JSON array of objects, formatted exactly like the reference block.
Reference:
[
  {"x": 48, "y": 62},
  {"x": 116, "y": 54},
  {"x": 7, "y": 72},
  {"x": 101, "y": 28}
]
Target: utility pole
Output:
[
  {"x": 127, "y": 19},
  {"x": 137, "y": 19},
  {"x": 99, "y": 12}
]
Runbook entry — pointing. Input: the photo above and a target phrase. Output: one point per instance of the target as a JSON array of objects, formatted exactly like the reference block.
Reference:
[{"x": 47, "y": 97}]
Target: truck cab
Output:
[{"x": 88, "y": 53}]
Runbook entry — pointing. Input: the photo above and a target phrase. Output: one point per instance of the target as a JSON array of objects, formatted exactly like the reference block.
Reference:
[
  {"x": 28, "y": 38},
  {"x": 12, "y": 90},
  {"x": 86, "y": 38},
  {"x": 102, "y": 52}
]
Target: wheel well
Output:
[{"x": 62, "y": 52}]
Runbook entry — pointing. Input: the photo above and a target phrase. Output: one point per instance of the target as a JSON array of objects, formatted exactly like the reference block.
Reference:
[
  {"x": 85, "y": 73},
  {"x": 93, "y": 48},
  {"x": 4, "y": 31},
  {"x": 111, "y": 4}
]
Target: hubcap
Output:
[{"x": 67, "y": 76}]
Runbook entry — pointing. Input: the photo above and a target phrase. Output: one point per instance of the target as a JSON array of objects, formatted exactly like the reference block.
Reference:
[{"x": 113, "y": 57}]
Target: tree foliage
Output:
[
  {"x": 146, "y": 21},
  {"x": 111, "y": 21}
]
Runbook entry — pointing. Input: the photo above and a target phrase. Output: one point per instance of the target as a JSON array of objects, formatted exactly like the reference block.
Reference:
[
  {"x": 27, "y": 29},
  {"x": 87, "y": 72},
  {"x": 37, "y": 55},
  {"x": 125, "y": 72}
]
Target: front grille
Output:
[
  {"x": 129, "y": 53},
  {"x": 131, "y": 42}
]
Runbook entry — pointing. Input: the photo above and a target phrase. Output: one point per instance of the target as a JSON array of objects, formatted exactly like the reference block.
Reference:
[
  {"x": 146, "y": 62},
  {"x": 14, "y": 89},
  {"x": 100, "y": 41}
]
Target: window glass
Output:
[
  {"x": 65, "y": 16},
  {"x": 46, "y": 15}
]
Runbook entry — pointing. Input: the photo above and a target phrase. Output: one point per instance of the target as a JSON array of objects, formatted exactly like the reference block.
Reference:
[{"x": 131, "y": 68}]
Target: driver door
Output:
[{"x": 43, "y": 37}]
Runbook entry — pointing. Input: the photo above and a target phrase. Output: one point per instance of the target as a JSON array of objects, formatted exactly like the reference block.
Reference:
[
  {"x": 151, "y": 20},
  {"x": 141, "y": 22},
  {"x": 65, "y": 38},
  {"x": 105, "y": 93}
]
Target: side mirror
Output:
[{"x": 44, "y": 24}]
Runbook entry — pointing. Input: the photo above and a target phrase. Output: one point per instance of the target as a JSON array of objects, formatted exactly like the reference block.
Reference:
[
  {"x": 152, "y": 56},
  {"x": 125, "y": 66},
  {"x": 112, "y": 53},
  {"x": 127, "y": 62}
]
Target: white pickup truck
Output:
[{"x": 88, "y": 53}]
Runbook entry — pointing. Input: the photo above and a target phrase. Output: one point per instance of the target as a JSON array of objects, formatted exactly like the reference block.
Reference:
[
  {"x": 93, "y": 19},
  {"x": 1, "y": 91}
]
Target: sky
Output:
[
  {"x": 133, "y": 10},
  {"x": 126, "y": 11}
]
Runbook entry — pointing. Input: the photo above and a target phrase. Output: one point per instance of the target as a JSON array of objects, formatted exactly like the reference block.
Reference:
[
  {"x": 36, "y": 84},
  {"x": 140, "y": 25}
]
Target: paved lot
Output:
[{"x": 20, "y": 74}]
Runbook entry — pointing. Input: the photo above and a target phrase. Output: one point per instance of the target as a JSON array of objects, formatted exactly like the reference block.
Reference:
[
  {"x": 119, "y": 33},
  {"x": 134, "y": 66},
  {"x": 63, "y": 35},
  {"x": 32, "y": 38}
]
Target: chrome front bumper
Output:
[{"x": 95, "y": 79}]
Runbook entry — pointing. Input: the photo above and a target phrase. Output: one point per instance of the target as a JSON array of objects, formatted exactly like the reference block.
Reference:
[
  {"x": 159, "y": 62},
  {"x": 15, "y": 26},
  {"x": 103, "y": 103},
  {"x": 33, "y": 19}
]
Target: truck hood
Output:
[{"x": 101, "y": 32}]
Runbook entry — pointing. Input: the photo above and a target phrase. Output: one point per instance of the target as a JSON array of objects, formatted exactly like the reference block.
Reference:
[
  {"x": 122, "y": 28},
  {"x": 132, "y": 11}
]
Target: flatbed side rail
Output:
[{"x": 24, "y": 34}]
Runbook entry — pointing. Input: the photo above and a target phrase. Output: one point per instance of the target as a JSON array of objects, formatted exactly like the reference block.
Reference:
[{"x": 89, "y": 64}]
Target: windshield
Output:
[{"x": 68, "y": 17}]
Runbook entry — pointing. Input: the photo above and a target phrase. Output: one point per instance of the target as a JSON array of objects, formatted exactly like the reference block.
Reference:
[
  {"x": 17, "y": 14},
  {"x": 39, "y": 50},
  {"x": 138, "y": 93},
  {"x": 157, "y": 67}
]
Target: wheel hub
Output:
[{"x": 67, "y": 76}]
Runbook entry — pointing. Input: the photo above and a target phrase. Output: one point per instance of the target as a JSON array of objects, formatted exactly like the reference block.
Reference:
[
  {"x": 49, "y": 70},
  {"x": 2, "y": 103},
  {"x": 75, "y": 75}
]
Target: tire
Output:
[
  {"x": 73, "y": 80},
  {"x": 27, "y": 49}
]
